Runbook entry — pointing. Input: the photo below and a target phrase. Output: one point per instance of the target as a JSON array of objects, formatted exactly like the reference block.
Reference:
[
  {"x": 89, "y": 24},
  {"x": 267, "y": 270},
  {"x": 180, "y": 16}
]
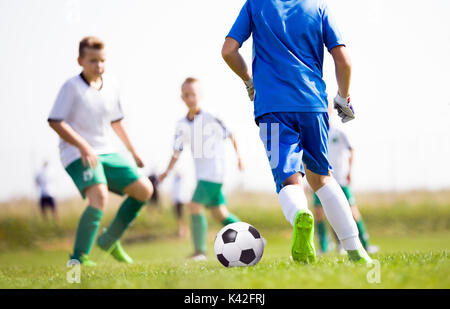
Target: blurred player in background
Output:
[
  {"x": 340, "y": 154},
  {"x": 179, "y": 199},
  {"x": 46, "y": 200},
  {"x": 206, "y": 135},
  {"x": 86, "y": 112},
  {"x": 291, "y": 109},
  {"x": 154, "y": 199}
]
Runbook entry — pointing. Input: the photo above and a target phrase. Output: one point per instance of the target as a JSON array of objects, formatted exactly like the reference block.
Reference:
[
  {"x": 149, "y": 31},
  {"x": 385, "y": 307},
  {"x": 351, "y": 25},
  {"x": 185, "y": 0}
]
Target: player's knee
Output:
[
  {"x": 295, "y": 179},
  {"x": 195, "y": 208},
  {"x": 220, "y": 213},
  {"x": 98, "y": 197},
  {"x": 140, "y": 190},
  {"x": 317, "y": 181},
  {"x": 146, "y": 191}
]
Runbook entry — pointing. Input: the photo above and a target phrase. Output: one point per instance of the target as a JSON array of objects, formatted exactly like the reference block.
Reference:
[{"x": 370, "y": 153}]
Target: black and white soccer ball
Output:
[{"x": 239, "y": 244}]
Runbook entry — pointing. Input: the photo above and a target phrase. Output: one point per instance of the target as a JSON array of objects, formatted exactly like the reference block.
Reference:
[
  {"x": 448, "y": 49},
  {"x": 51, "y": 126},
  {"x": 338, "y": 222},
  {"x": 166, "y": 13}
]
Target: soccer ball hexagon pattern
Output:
[{"x": 239, "y": 244}]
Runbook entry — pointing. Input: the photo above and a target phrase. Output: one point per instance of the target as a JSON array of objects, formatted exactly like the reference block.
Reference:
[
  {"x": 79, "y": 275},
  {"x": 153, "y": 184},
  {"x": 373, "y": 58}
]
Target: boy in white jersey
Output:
[
  {"x": 46, "y": 199},
  {"x": 206, "y": 135},
  {"x": 86, "y": 111}
]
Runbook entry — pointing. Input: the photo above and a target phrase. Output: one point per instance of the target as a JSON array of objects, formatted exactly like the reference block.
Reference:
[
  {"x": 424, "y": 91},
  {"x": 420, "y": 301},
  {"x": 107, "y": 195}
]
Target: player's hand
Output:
[
  {"x": 162, "y": 177},
  {"x": 138, "y": 160},
  {"x": 344, "y": 108},
  {"x": 250, "y": 88},
  {"x": 88, "y": 157},
  {"x": 349, "y": 178},
  {"x": 241, "y": 165}
]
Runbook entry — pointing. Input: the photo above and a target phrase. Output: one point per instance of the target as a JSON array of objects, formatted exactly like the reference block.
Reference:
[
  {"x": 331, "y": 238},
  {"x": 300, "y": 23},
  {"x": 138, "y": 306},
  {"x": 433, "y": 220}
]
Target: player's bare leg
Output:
[
  {"x": 140, "y": 190},
  {"x": 97, "y": 196}
]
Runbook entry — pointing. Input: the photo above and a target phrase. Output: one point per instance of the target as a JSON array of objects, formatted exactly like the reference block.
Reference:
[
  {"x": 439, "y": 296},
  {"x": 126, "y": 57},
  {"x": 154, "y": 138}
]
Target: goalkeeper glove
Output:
[
  {"x": 250, "y": 88},
  {"x": 344, "y": 108}
]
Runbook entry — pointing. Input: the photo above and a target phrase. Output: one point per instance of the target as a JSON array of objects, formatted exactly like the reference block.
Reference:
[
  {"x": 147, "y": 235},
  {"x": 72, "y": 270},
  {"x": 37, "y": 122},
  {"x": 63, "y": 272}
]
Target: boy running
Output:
[
  {"x": 206, "y": 135},
  {"x": 291, "y": 109},
  {"x": 85, "y": 110}
]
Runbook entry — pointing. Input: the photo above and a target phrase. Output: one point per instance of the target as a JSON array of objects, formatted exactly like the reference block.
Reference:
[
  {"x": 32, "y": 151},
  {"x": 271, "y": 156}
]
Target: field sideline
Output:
[{"x": 414, "y": 238}]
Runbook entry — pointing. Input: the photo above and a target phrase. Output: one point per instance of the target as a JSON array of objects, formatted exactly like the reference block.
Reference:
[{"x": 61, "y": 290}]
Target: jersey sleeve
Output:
[
  {"x": 180, "y": 138},
  {"x": 242, "y": 27},
  {"x": 225, "y": 131},
  {"x": 331, "y": 35},
  {"x": 346, "y": 141},
  {"x": 117, "y": 113},
  {"x": 63, "y": 103}
]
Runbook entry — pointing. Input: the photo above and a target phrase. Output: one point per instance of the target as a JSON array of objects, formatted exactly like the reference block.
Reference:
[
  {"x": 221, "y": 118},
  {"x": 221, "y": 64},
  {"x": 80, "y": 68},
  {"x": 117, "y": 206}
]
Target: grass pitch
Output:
[
  {"x": 422, "y": 262},
  {"x": 414, "y": 241}
]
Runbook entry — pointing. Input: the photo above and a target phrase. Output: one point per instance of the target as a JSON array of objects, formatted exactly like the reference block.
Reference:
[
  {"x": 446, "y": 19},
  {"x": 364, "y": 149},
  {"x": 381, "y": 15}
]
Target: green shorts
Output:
[
  {"x": 348, "y": 194},
  {"x": 112, "y": 169},
  {"x": 209, "y": 194}
]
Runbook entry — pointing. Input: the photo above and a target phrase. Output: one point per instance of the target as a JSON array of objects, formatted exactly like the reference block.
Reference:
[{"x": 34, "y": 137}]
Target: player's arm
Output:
[
  {"x": 235, "y": 146},
  {"x": 343, "y": 69},
  {"x": 69, "y": 135},
  {"x": 119, "y": 128},
  {"x": 231, "y": 55},
  {"x": 350, "y": 165},
  {"x": 173, "y": 161}
]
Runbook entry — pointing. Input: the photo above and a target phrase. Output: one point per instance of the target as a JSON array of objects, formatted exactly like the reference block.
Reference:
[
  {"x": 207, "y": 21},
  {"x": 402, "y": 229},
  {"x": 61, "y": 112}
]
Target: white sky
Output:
[{"x": 401, "y": 79}]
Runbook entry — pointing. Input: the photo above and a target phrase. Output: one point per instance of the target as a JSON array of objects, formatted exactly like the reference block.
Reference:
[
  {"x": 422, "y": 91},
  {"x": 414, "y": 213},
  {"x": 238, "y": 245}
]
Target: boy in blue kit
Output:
[{"x": 290, "y": 107}]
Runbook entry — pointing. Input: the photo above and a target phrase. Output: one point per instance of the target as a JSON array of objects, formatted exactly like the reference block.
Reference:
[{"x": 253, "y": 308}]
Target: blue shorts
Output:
[{"x": 293, "y": 140}]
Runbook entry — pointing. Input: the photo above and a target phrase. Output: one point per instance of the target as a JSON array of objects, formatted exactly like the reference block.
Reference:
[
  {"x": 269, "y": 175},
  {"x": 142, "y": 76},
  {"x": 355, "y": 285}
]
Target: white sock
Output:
[
  {"x": 338, "y": 213},
  {"x": 292, "y": 199}
]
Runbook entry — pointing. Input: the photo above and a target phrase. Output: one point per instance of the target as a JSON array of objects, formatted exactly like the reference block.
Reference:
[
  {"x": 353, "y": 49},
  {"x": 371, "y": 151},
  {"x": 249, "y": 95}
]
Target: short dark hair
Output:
[
  {"x": 90, "y": 42},
  {"x": 189, "y": 80}
]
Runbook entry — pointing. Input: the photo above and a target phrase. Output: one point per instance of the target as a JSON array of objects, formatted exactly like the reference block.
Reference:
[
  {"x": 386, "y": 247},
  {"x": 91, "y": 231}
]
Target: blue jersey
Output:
[{"x": 288, "y": 49}]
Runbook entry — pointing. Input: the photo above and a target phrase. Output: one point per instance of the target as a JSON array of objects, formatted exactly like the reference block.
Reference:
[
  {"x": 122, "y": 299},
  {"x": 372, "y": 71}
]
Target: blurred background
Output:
[{"x": 400, "y": 90}]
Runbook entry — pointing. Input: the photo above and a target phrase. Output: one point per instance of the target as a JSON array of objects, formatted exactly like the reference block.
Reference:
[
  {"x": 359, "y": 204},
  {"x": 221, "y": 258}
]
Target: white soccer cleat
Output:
[{"x": 198, "y": 256}]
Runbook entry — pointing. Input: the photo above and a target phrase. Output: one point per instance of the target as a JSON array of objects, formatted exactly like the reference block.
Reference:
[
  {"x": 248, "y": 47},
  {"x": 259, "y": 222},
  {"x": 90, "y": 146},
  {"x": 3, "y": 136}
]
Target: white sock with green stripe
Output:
[
  {"x": 338, "y": 213},
  {"x": 292, "y": 199}
]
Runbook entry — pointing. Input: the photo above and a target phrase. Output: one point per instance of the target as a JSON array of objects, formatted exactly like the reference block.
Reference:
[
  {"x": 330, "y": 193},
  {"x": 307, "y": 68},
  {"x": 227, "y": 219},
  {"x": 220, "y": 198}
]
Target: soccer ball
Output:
[{"x": 239, "y": 244}]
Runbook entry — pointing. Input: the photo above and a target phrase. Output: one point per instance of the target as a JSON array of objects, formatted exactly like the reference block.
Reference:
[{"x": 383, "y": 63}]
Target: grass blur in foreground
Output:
[{"x": 412, "y": 229}]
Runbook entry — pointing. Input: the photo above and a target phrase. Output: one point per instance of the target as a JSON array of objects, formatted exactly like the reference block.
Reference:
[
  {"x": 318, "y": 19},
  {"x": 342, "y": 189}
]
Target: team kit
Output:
[{"x": 285, "y": 83}]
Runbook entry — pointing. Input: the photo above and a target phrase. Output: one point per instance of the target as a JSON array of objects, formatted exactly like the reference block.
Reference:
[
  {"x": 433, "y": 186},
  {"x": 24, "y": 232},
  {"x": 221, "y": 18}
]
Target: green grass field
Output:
[{"x": 414, "y": 239}]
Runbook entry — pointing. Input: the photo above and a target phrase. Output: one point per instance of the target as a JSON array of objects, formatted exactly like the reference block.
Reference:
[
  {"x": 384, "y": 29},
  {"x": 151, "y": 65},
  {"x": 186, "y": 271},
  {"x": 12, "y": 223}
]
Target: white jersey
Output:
[
  {"x": 89, "y": 112},
  {"x": 180, "y": 192},
  {"x": 206, "y": 136},
  {"x": 339, "y": 154},
  {"x": 42, "y": 182}
]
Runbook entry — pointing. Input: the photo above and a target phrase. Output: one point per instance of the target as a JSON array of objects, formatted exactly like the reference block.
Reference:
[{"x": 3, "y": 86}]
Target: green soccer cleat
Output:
[
  {"x": 359, "y": 256},
  {"x": 85, "y": 261},
  {"x": 116, "y": 250},
  {"x": 119, "y": 254},
  {"x": 303, "y": 249}
]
